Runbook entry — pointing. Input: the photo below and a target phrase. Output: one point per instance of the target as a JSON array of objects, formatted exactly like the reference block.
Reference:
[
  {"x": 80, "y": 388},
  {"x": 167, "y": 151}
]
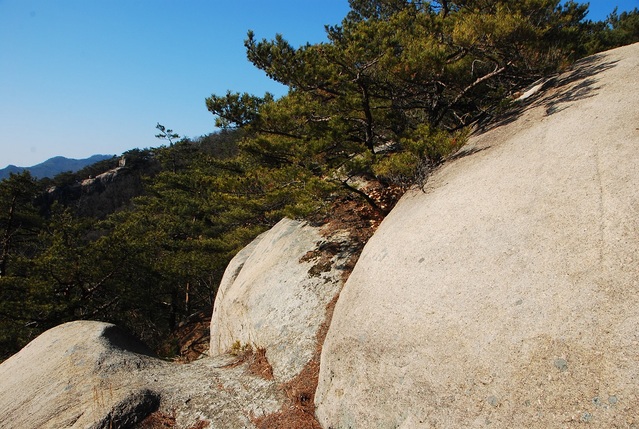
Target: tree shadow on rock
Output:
[
  {"x": 577, "y": 84},
  {"x": 463, "y": 153}
]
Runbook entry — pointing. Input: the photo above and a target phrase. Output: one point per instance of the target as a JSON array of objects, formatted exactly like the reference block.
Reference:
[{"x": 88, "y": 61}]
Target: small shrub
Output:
[
  {"x": 419, "y": 153},
  {"x": 237, "y": 349}
]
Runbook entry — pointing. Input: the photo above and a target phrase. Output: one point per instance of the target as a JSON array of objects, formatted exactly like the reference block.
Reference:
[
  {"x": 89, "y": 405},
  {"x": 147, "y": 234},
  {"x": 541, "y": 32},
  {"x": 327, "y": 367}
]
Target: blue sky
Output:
[{"x": 84, "y": 77}]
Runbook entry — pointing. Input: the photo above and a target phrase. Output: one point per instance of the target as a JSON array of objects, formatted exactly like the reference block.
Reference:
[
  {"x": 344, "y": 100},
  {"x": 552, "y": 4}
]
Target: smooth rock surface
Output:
[
  {"x": 275, "y": 292},
  {"x": 507, "y": 294}
]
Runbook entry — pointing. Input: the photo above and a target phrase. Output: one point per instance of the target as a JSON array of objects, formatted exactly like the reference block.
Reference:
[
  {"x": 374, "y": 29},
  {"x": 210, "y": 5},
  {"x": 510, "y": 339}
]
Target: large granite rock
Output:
[
  {"x": 80, "y": 375},
  {"x": 93, "y": 375},
  {"x": 507, "y": 294},
  {"x": 275, "y": 293}
]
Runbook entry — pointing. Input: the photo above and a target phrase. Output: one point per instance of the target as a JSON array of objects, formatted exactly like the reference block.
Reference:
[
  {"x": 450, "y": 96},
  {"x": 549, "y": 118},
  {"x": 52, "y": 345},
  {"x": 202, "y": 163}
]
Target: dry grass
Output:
[
  {"x": 258, "y": 364},
  {"x": 190, "y": 340},
  {"x": 202, "y": 424},
  {"x": 157, "y": 420}
]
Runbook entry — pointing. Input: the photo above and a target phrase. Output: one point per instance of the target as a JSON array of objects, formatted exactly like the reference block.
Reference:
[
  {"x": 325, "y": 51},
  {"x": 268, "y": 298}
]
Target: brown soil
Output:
[{"x": 259, "y": 365}]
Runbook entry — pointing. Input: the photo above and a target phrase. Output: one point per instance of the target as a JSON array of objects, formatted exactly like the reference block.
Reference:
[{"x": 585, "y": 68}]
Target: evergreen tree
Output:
[
  {"x": 20, "y": 224},
  {"x": 384, "y": 96}
]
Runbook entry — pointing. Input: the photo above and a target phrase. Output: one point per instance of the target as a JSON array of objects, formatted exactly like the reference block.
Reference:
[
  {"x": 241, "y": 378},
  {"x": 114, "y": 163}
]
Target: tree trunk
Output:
[
  {"x": 6, "y": 239},
  {"x": 368, "y": 131}
]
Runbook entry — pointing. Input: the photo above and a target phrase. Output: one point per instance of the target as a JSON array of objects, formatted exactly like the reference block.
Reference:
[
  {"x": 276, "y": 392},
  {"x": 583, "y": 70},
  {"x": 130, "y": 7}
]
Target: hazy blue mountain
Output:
[{"x": 54, "y": 166}]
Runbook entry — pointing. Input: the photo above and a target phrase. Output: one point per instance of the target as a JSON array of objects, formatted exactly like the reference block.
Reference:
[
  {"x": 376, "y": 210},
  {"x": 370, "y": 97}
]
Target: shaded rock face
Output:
[
  {"x": 507, "y": 294},
  {"x": 275, "y": 292}
]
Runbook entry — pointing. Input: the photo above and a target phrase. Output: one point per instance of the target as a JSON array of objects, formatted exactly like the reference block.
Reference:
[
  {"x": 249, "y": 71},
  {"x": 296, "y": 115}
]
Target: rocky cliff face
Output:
[
  {"x": 505, "y": 295},
  {"x": 106, "y": 192}
]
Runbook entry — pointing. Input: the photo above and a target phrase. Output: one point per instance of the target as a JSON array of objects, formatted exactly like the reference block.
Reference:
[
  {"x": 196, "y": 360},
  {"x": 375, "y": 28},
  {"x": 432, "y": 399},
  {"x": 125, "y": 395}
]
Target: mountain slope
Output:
[{"x": 53, "y": 166}]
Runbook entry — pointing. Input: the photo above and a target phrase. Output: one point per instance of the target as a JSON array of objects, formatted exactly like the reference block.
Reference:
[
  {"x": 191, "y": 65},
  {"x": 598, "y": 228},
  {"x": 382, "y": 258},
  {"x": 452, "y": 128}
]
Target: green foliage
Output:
[
  {"x": 616, "y": 30},
  {"x": 358, "y": 105},
  {"x": 419, "y": 152},
  {"x": 624, "y": 27},
  {"x": 166, "y": 134},
  {"x": 20, "y": 224},
  {"x": 222, "y": 144},
  {"x": 19, "y": 220},
  {"x": 234, "y": 109}
]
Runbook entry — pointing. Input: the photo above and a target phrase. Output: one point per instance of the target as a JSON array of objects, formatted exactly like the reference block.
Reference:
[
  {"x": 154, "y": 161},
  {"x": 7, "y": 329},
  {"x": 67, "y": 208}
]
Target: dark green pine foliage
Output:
[
  {"x": 617, "y": 30},
  {"x": 20, "y": 225},
  {"x": 387, "y": 95}
]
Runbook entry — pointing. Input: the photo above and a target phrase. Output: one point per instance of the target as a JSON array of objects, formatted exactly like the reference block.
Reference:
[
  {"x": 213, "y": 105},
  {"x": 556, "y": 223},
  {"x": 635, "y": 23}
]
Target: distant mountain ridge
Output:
[{"x": 53, "y": 166}]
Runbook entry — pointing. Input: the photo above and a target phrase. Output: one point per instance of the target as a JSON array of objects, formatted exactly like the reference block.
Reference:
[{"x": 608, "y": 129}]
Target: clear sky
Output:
[{"x": 85, "y": 77}]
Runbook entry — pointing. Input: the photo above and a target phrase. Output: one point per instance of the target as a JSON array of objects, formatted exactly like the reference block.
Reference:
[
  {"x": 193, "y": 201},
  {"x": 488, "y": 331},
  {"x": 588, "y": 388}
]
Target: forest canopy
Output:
[{"x": 393, "y": 92}]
